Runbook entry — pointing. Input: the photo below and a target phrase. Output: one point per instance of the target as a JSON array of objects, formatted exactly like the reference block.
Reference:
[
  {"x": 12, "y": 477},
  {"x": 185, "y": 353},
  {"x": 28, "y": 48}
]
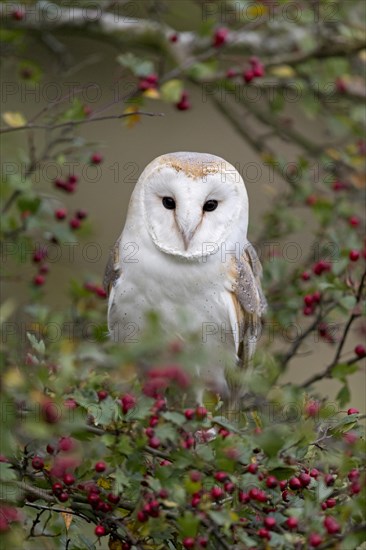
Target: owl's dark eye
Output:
[
  {"x": 168, "y": 203},
  {"x": 209, "y": 206}
]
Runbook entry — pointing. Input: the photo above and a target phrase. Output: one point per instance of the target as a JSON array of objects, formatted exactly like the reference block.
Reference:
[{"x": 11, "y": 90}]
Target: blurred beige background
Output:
[{"x": 126, "y": 152}]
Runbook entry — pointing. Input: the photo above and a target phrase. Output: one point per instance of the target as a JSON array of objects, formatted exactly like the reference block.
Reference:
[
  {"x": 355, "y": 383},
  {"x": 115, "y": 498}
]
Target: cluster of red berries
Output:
[
  {"x": 75, "y": 221},
  {"x": 310, "y": 302},
  {"x": 38, "y": 258},
  {"x": 69, "y": 185},
  {"x": 320, "y": 267},
  {"x": 149, "y": 82},
  {"x": 95, "y": 289},
  {"x": 256, "y": 70}
]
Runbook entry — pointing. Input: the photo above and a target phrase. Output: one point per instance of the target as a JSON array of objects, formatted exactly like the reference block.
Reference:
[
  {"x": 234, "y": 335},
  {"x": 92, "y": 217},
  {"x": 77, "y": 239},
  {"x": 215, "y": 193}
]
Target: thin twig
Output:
[{"x": 72, "y": 123}]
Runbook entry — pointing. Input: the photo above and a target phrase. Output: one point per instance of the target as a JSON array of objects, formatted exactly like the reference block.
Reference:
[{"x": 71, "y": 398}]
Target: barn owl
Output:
[{"x": 184, "y": 253}]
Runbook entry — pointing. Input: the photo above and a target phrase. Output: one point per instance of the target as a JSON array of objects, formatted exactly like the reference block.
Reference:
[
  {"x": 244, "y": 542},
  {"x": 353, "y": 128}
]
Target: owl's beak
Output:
[{"x": 187, "y": 229}]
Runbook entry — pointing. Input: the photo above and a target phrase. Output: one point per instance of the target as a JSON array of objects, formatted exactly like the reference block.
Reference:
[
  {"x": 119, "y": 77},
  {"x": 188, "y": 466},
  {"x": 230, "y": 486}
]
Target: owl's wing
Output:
[
  {"x": 249, "y": 302},
  {"x": 113, "y": 268}
]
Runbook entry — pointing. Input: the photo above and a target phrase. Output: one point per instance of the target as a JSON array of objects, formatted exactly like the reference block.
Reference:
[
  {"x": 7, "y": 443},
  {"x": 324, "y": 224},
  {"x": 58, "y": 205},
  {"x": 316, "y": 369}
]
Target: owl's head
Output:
[{"x": 192, "y": 201}]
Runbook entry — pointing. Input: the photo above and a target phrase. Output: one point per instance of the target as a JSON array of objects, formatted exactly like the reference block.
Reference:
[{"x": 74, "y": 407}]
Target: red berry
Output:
[
  {"x": 308, "y": 299},
  {"x": 315, "y": 540},
  {"x": 305, "y": 276},
  {"x": 220, "y": 476},
  {"x": 229, "y": 487},
  {"x": 154, "y": 420},
  {"x": 202, "y": 542},
  {"x": 308, "y": 310},
  {"x": 248, "y": 75},
  {"x": 173, "y": 38},
  {"x": 355, "y": 488},
  {"x": 340, "y": 85},
  {"x": 65, "y": 444},
  {"x": 189, "y": 414},
  {"x": 360, "y": 351},
  {"x": 329, "y": 480},
  {"x": 354, "y": 221},
  {"x": 258, "y": 70},
  {"x": 100, "y": 531},
  {"x": 271, "y": 482},
  {"x": 57, "y": 488},
  {"x": 183, "y": 104},
  {"x": 18, "y": 15},
  {"x": 99, "y": 291},
  {"x": 320, "y": 267},
  {"x": 253, "y": 468},
  {"x": 216, "y": 493},
  {"x": 294, "y": 483},
  {"x": 60, "y": 213},
  {"x": 63, "y": 497},
  {"x": 354, "y": 255},
  {"x": 331, "y": 525},
  {"x": 68, "y": 479},
  {"x": 163, "y": 493},
  {"x": 220, "y": 37},
  {"x": 244, "y": 498},
  {"x": 93, "y": 499},
  {"x": 201, "y": 412},
  {"x": 354, "y": 474},
  {"x": 74, "y": 223},
  {"x": 128, "y": 402},
  {"x": 264, "y": 533},
  {"x": 102, "y": 394},
  {"x": 311, "y": 200},
  {"x": 269, "y": 522},
  {"x": 39, "y": 280},
  {"x": 37, "y": 463},
  {"x": 154, "y": 442},
  {"x": 96, "y": 158},
  {"x": 195, "y": 476},
  {"x": 292, "y": 523},
  {"x": 283, "y": 484},
  {"x": 224, "y": 432},
  {"x": 285, "y": 496},
  {"x": 44, "y": 269},
  {"x": 114, "y": 499},
  {"x": 189, "y": 542},
  {"x": 352, "y": 410},
  {"x": 331, "y": 502},
  {"x": 231, "y": 73},
  {"x": 305, "y": 479},
  {"x": 100, "y": 466},
  {"x": 50, "y": 449},
  {"x": 141, "y": 516},
  {"x": 314, "y": 473},
  {"x": 81, "y": 214}
]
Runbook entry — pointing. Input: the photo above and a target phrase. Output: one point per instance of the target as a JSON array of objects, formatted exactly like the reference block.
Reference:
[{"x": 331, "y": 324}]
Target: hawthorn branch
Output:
[
  {"x": 326, "y": 373},
  {"x": 73, "y": 123}
]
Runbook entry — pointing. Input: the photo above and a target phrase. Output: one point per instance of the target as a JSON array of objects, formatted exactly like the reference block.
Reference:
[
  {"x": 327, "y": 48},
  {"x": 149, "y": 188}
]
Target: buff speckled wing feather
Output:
[
  {"x": 113, "y": 268},
  {"x": 249, "y": 302}
]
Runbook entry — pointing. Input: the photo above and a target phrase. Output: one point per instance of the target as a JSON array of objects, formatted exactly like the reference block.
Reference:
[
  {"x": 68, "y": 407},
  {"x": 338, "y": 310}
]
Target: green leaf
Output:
[
  {"x": 174, "y": 417},
  {"x": 139, "y": 67},
  {"x": 188, "y": 525},
  {"x": 6, "y": 472},
  {"x": 342, "y": 370},
  {"x": 200, "y": 71},
  {"x": 343, "y": 396},
  {"x": 171, "y": 91}
]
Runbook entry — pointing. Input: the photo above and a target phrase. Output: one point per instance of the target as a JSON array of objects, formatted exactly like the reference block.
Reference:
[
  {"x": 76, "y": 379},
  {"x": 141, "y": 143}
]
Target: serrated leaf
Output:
[
  {"x": 14, "y": 119},
  {"x": 6, "y": 472}
]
